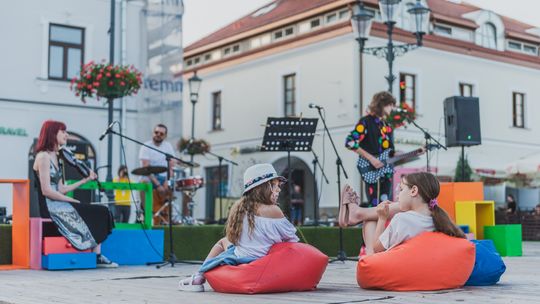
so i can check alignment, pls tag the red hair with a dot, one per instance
(47, 135)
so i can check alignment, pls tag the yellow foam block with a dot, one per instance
(476, 214)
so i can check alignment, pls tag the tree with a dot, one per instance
(466, 171)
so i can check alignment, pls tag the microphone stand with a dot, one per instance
(341, 256)
(427, 138)
(220, 158)
(172, 257)
(316, 164)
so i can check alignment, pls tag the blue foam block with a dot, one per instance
(464, 228)
(59, 261)
(134, 247)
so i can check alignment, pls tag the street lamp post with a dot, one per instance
(194, 86)
(110, 103)
(361, 23)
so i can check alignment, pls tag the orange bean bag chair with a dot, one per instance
(287, 267)
(430, 261)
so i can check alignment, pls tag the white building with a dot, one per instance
(43, 46)
(278, 59)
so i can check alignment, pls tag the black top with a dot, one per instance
(512, 207)
(372, 134)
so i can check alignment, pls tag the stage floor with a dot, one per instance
(140, 284)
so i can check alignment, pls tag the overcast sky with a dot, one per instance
(202, 17)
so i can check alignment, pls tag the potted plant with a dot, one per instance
(195, 146)
(397, 119)
(106, 80)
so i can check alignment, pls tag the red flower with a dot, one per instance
(108, 74)
(99, 76)
(122, 83)
(96, 84)
(89, 86)
(117, 75)
(88, 76)
(111, 83)
(397, 117)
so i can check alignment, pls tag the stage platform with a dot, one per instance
(141, 284)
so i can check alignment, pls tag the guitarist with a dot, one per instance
(372, 136)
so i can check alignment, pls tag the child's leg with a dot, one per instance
(359, 214)
(218, 248)
(368, 232)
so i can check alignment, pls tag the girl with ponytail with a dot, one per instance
(416, 211)
(254, 224)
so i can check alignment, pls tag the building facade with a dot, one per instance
(277, 60)
(44, 49)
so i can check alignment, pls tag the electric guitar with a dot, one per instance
(370, 174)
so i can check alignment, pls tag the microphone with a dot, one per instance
(312, 105)
(109, 128)
(400, 110)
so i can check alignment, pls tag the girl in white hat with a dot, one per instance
(255, 223)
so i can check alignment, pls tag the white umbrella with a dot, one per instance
(528, 166)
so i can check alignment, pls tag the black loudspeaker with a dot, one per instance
(462, 121)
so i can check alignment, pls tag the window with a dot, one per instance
(407, 89)
(289, 92)
(197, 60)
(466, 89)
(236, 48)
(216, 110)
(189, 62)
(289, 31)
(315, 23)
(207, 57)
(514, 45)
(66, 51)
(518, 110)
(344, 14)
(227, 51)
(278, 35)
(530, 49)
(331, 18)
(488, 35)
(442, 30)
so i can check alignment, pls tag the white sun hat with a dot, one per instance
(258, 175)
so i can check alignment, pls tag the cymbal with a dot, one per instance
(149, 170)
(185, 164)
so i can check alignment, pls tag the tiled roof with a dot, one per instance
(284, 9)
(446, 10)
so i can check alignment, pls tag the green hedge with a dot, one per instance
(194, 242)
(5, 244)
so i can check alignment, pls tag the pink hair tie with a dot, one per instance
(433, 203)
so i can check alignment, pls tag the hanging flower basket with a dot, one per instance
(197, 146)
(107, 81)
(398, 119)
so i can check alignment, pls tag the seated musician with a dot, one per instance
(149, 157)
(85, 226)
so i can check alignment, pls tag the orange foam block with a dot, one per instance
(453, 192)
(20, 234)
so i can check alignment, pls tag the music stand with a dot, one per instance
(289, 134)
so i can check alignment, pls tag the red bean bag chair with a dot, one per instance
(287, 267)
(430, 261)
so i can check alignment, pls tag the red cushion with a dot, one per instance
(430, 261)
(287, 267)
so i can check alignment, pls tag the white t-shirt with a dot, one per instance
(267, 232)
(404, 226)
(155, 158)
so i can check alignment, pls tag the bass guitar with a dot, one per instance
(371, 174)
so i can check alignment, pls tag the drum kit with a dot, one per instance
(179, 182)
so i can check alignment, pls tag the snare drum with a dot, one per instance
(190, 183)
